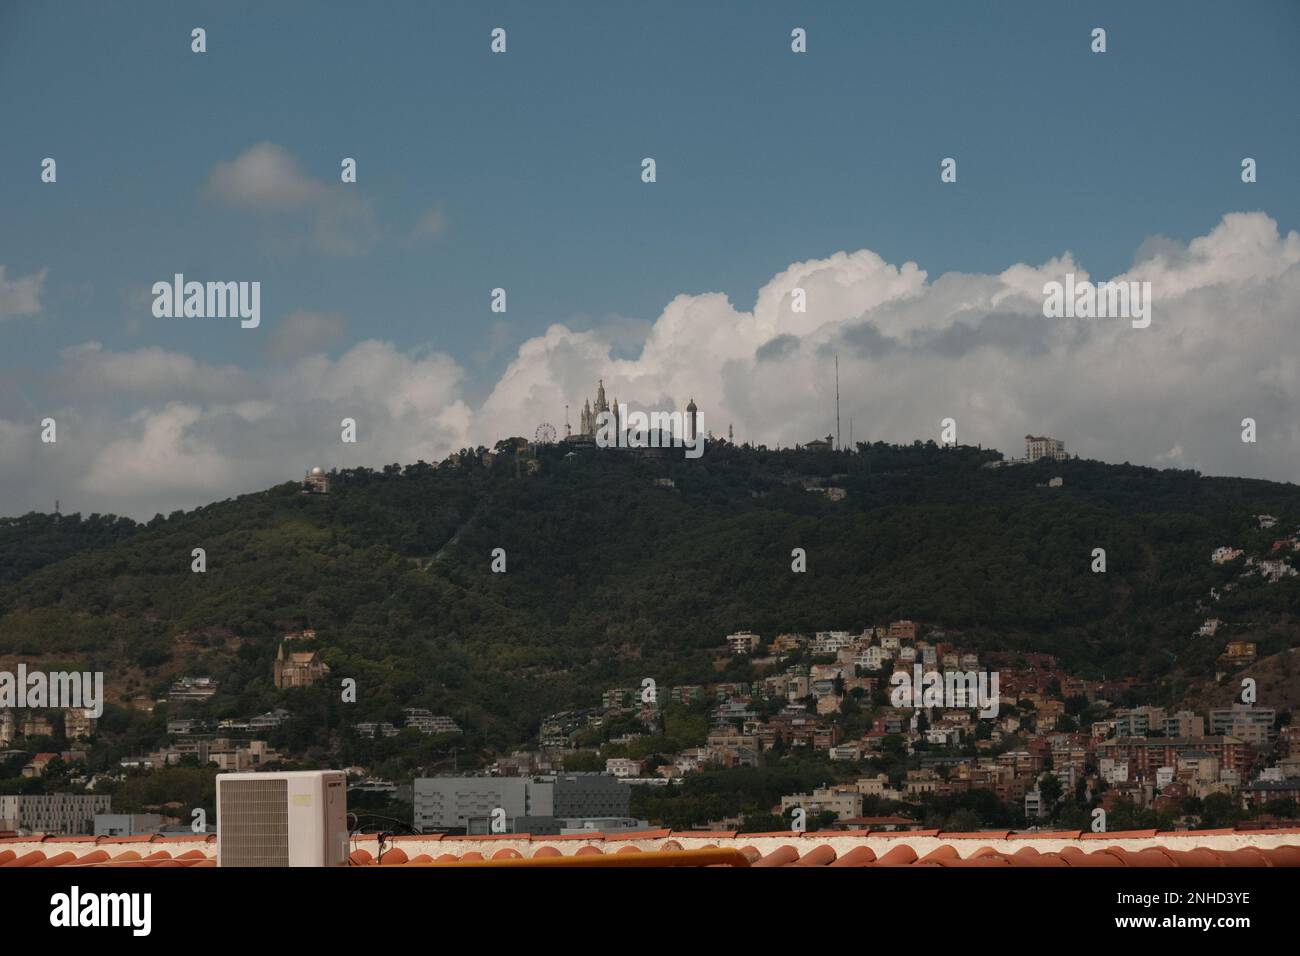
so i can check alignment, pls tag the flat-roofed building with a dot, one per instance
(67, 813)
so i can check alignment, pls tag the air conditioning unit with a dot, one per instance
(282, 819)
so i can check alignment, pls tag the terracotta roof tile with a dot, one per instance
(1198, 856)
(988, 859)
(858, 856)
(780, 857)
(1153, 856)
(1107, 857)
(1073, 856)
(1283, 855)
(1246, 856)
(751, 854)
(836, 848)
(943, 852)
(1028, 856)
(822, 855)
(901, 855)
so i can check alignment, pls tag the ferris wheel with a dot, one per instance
(545, 434)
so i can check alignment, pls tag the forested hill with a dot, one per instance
(611, 576)
(34, 540)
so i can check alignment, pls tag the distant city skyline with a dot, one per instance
(778, 175)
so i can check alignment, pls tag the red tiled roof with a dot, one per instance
(929, 848)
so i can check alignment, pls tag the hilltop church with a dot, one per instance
(589, 420)
(298, 668)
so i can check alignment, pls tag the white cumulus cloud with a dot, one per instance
(266, 179)
(151, 430)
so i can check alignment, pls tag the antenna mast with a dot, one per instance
(838, 445)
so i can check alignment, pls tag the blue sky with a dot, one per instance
(764, 157)
(529, 161)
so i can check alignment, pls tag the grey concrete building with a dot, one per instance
(578, 795)
(127, 824)
(448, 803)
(65, 813)
(466, 803)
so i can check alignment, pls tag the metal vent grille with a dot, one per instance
(254, 823)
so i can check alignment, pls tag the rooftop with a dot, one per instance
(1133, 848)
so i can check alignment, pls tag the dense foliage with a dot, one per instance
(611, 577)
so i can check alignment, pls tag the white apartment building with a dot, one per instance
(427, 722)
(743, 642)
(869, 659)
(1037, 447)
(623, 767)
